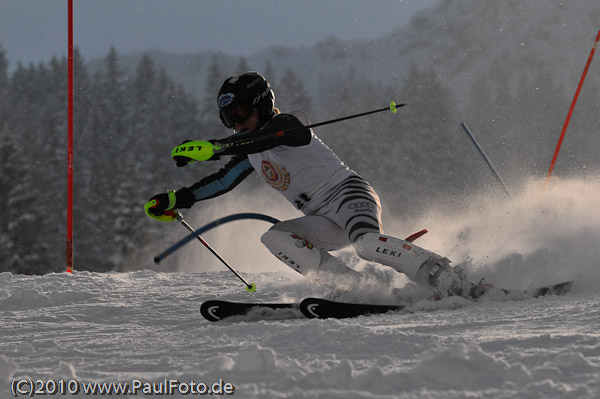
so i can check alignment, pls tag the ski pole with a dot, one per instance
(201, 150)
(392, 107)
(249, 287)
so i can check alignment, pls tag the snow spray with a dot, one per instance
(539, 237)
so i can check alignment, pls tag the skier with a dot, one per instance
(340, 208)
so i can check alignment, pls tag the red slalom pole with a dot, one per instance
(564, 129)
(70, 146)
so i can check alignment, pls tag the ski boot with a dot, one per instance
(481, 288)
(418, 264)
(451, 281)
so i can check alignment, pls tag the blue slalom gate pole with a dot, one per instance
(486, 159)
(195, 233)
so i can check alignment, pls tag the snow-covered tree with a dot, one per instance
(23, 249)
(291, 93)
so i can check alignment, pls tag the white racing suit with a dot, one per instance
(340, 209)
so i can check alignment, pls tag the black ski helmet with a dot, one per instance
(239, 94)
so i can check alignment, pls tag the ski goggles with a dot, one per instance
(236, 113)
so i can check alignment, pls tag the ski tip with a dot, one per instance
(210, 310)
(565, 288)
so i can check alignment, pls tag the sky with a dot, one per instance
(35, 30)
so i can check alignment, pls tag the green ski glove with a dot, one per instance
(161, 207)
(192, 151)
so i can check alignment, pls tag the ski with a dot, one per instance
(547, 290)
(324, 308)
(215, 310)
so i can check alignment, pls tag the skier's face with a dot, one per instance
(249, 124)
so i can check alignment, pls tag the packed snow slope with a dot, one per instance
(143, 327)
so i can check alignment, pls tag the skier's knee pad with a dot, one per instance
(293, 250)
(401, 255)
